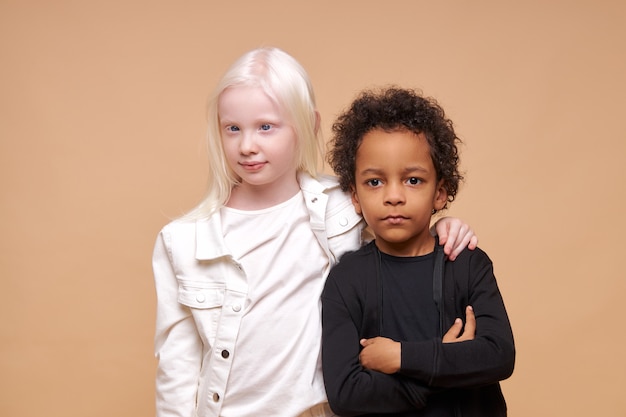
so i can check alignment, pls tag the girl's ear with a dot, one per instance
(441, 196)
(318, 121)
(355, 201)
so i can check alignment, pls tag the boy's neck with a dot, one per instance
(419, 247)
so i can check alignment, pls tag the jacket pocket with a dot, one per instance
(205, 301)
(200, 294)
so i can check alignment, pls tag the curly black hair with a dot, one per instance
(392, 109)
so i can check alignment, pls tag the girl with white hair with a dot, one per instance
(239, 278)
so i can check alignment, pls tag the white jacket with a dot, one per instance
(201, 290)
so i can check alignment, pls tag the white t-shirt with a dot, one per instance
(276, 368)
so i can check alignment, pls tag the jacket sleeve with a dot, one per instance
(351, 389)
(178, 347)
(490, 356)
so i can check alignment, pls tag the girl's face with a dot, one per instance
(259, 142)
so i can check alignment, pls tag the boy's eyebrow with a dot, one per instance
(370, 171)
(415, 168)
(378, 171)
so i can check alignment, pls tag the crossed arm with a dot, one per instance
(384, 355)
(354, 388)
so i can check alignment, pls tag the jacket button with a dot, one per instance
(343, 221)
(216, 397)
(225, 354)
(200, 297)
(236, 308)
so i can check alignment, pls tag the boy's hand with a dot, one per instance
(453, 334)
(380, 354)
(455, 236)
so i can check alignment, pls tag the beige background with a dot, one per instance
(101, 133)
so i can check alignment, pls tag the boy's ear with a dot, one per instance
(441, 196)
(355, 200)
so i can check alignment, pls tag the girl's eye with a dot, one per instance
(266, 126)
(232, 128)
(373, 182)
(414, 181)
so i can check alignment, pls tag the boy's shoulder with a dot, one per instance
(359, 257)
(469, 258)
(469, 253)
(355, 269)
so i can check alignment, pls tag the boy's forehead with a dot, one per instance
(381, 134)
(392, 148)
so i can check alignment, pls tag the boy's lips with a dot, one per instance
(395, 218)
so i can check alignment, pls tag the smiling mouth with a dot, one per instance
(252, 166)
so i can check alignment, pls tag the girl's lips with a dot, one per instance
(252, 166)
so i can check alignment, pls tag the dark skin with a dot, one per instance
(383, 354)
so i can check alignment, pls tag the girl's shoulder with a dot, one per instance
(329, 181)
(182, 223)
(187, 228)
(321, 183)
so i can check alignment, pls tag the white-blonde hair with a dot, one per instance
(286, 82)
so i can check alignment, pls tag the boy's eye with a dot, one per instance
(373, 182)
(266, 126)
(414, 181)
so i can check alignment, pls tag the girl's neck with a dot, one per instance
(257, 197)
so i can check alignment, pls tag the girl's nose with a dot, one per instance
(248, 144)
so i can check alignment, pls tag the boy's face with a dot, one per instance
(396, 190)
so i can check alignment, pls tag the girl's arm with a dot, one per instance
(178, 347)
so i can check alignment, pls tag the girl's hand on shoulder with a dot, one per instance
(455, 236)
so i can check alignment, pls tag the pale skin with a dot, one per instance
(396, 189)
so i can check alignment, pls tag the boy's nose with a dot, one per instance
(394, 194)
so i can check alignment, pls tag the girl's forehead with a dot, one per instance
(250, 87)
(245, 93)
(239, 103)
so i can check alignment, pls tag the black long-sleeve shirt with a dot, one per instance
(456, 379)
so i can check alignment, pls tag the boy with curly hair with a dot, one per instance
(386, 307)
